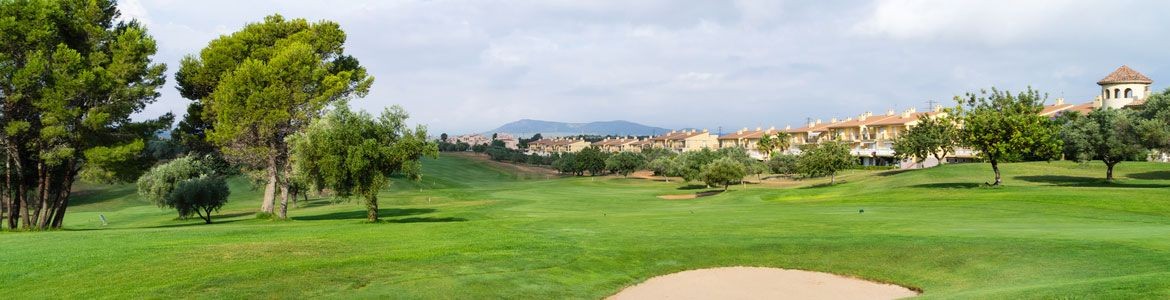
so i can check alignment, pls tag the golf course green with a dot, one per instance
(473, 229)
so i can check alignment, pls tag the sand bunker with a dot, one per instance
(760, 283)
(689, 196)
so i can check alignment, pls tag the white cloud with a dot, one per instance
(468, 66)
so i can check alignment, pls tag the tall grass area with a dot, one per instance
(473, 230)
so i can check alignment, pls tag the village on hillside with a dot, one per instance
(871, 135)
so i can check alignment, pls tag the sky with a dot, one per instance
(470, 66)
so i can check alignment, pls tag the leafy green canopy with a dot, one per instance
(825, 159)
(1006, 127)
(1105, 134)
(188, 184)
(934, 136)
(70, 78)
(354, 154)
(267, 82)
(723, 171)
(625, 162)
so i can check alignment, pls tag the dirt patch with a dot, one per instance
(760, 283)
(689, 196)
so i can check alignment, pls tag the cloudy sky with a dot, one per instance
(469, 66)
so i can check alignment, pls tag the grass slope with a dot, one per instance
(476, 230)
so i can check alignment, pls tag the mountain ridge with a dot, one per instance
(528, 127)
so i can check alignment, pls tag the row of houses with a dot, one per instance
(872, 136)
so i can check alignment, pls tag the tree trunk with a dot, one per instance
(270, 187)
(995, 167)
(372, 207)
(284, 191)
(833, 178)
(1109, 171)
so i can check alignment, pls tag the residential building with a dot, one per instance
(614, 145)
(748, 140)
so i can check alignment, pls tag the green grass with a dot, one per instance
(471, 230)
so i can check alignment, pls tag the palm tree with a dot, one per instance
(782, 141)
(765, 145)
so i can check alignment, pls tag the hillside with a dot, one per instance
(528, 127)
(488, 231)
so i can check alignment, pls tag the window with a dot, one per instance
(1129, 93)
(1106, 94)
(1116, 93)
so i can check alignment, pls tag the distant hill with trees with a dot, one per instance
(527, 127)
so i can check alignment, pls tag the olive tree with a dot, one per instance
(723, 171)
(625, 163)
(354, 154)
(825, 159)
(1005, 127)
(1104, 134)
(187, 184)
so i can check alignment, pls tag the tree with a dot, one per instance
(825, 159)
(1004, 127)
(766, 145)
(354, 154)
(665, 166)
(1106, 134)
(723, 171)
(769, 143)
(591, 159)
(625, 163)
(71, 76)
(654, 153)
(267, 82)
(783, 164)
(191, 132)
(934, 136)
(691, 163)
(188, 184)
(567, 163)
(1153, 121)
(755, 167)
(443, 137)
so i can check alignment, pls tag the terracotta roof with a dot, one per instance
(1055, 108)
(614, 142)
(1124, 74)
(814, 128)
(748, 134)
(899, 120)
(642, 142)
(871, 120)
(1083, 108)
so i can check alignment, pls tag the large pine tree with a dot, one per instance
(71, 75)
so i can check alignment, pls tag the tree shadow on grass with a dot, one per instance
(692, 187)
(894, 172)
(949, 185)
(197, 222)
(1079, 181)
(1152, 175)
(361, 214)
(426, 220)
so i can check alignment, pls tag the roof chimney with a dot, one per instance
(937, 107)
(833, 120)
(890, 112)
(787, 127)
(818, 121)
(1060, 101)
(759, 129)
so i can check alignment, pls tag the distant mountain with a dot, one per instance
(526, 128)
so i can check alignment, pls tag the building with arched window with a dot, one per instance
(1123, 87)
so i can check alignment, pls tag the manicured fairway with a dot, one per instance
(472, 230)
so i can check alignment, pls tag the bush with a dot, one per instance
(723, 171)
(783, 164)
